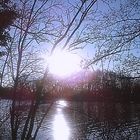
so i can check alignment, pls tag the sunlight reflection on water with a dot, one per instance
(62, 103)
(61, 130)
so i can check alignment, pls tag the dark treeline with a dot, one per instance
(110, 86)
(97, 86)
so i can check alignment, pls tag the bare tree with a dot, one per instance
(39, 21)
(32, 27)
(7, 16)
(115, 32)
(73, 27)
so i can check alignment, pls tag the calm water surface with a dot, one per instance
(68, 120)
(91, 121)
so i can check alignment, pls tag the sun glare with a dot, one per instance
(63, 63)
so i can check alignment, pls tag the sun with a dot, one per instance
(64, 63)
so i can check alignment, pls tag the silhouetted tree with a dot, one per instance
(115, 33)
(7, 17)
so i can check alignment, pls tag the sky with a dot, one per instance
(93, 31)
(89, 50)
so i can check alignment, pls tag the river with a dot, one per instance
(69, 120)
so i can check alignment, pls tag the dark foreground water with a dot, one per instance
(84, 121)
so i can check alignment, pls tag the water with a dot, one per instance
(67, 120)
(83, 120)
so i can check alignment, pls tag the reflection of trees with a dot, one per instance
(29, 122)
(105, 121)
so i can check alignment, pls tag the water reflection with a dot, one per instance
(80, 121)
(62, 103)
(61, 130)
